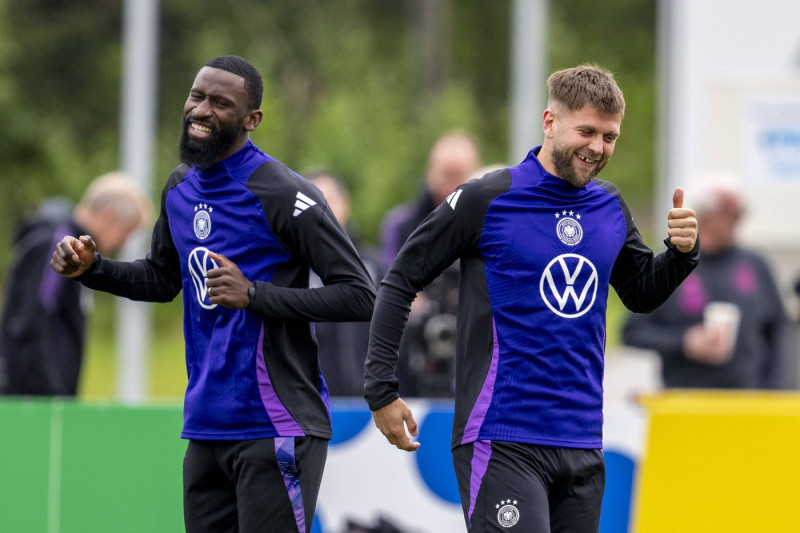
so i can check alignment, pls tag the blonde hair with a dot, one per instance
(117, 192)
(583, 85)
(449, 139)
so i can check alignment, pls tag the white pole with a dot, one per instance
(528, 64)
(668, 130)
(137, 131)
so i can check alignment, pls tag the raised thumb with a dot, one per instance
(677, 198)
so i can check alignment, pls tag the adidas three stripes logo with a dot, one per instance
(452, 199)
(302, 203)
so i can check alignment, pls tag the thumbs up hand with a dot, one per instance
(682, 223)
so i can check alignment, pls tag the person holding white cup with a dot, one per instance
(714, 342)
(725, 326)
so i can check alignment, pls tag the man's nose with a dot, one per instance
(596, 145)
(202, 109)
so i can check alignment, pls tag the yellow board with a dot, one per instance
(719, 461)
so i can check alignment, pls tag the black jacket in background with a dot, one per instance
(43, 323)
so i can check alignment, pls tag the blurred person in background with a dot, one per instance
(44, 315)
(750, 350)
(452, 159)
(343, 345)
(539, 245)
(238, 234)
(428, 345)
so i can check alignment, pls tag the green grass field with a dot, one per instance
(167, 368)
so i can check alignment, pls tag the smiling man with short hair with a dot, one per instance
(539, 245)
(239, 233)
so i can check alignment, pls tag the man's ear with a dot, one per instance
(253, 120)
(548, 122)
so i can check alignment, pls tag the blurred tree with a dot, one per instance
(59, 101)
(621, 38)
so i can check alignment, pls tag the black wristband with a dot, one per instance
(251, 293)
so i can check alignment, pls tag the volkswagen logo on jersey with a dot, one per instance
(199, 265)
(569, 285)
(202, 220)
(568, 228)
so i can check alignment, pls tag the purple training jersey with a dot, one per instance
(537, 257)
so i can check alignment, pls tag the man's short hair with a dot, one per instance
(586, 85)
(454, 138)
(716, 191)
(117, 192)
(318, 173)
(253, 83)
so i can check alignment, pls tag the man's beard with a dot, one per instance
(565, 167)
(205, 154)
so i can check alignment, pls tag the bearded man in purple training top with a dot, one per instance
(239, 233)
(539, 245)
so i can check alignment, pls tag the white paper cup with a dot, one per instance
(723, 317)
